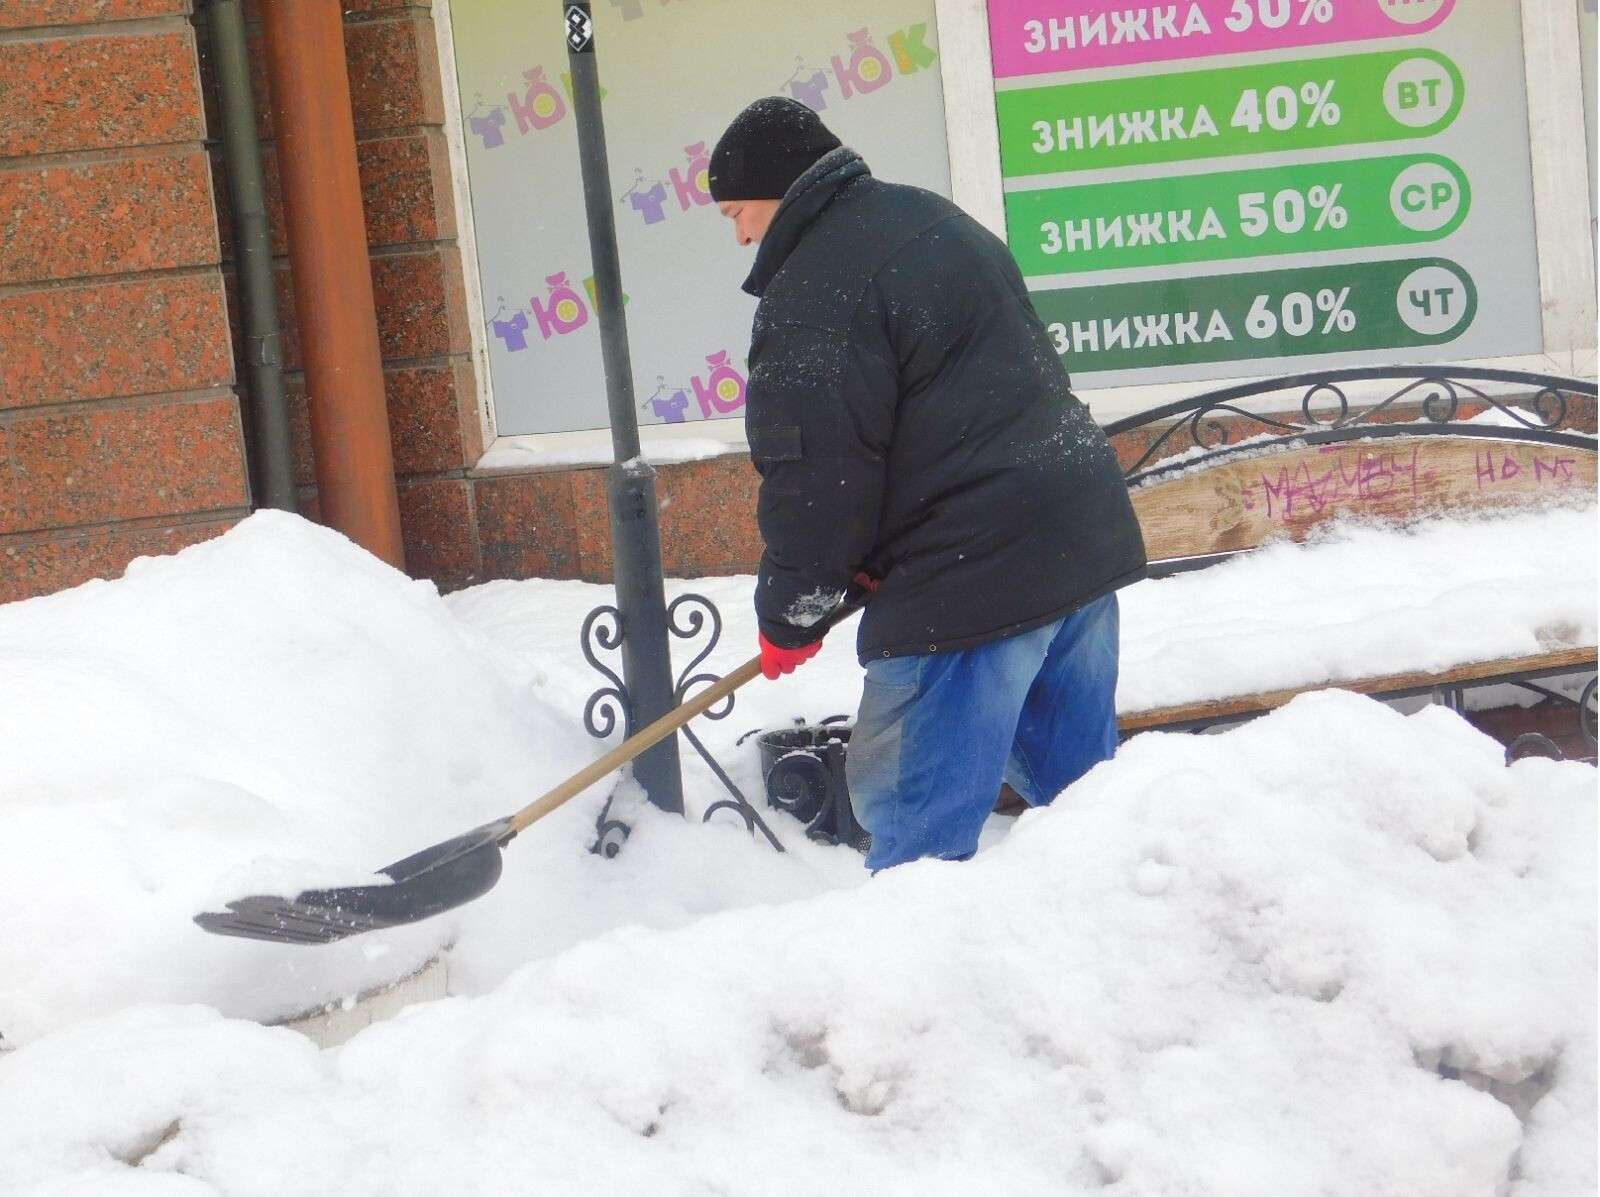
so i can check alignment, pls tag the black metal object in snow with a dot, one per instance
(804, 769)
(687, 618)
(1530, 744)
(630, 482)
(1588, 713)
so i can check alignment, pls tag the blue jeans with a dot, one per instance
(938, 732)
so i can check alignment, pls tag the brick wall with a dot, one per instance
(556, 524)
(119, 426)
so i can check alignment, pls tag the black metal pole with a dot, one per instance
(263, 355)
(630, 482)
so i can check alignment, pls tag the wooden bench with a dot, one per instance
(1226, 472)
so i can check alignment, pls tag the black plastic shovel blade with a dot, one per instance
(425, 884)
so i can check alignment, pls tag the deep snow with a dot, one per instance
(1226, 964)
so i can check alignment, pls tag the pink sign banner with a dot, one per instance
(1036, 37)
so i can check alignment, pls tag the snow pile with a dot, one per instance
(1221, 965)
(270, 710)
(276, 709)
(1356, 600)
(1363, 600)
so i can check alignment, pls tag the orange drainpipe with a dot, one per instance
(332, 275)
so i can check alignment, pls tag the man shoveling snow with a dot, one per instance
(916, 435)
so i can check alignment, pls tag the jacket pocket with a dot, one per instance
(775, 442)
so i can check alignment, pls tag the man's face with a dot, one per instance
(751, 218)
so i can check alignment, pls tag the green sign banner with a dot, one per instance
(1303, 104)
(1349, 204)
(1230, 187)
(1277, 313)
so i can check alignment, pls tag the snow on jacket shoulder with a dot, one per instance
(909, 417)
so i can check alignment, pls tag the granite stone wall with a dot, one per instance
(119, 424)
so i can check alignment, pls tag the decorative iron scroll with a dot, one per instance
(1326, 412)
(610, 701)
(695, 611)
(612, 705)
(688, 616)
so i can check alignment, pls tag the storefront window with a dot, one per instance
(675, 72)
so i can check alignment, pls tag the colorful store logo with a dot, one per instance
(691, 186)
(863, 68)
(1030, 37)
(488, 124)
(723, 388)
(668, 403)
(539, 106)
(511, 327)
(720, 392)
(561, 312)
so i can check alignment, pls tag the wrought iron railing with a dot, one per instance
(1327, 414)
(688, 616)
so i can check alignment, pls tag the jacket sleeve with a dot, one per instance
(819, 415)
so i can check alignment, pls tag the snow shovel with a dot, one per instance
(454, 872)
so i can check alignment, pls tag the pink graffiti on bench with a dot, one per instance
(1353, 477)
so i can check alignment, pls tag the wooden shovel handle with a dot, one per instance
(635, 744)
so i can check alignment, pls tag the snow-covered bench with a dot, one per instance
(1214, 480)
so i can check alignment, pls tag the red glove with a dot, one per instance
(867, 582)
(775, 660)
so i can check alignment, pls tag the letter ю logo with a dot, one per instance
(723, 389)
(868, 68)
(563, 310)
(540, 106)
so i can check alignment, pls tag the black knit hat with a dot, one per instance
(767, 147)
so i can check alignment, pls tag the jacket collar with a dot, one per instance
(802, 204)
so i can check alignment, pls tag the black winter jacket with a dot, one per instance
(909, 418)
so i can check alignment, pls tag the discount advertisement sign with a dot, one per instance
(1224, 187)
